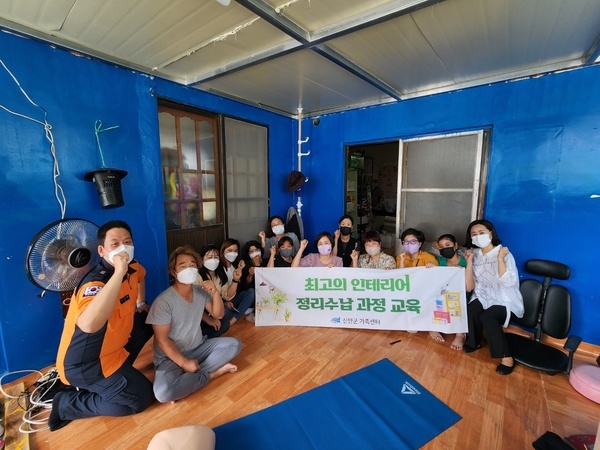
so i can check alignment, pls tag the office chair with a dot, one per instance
(547, 312)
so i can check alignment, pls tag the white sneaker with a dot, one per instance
(250, 317)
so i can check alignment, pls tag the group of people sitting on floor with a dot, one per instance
(108, 321)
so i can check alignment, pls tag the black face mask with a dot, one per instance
(346, 231)
(447, 252)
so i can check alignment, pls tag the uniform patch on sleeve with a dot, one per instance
(91, 290)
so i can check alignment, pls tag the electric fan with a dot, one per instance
(61, 254)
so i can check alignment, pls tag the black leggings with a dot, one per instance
(491, 320)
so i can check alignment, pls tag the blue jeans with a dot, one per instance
(242, 301)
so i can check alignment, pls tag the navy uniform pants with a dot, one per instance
(125, 392)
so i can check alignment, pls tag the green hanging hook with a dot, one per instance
(98, 129)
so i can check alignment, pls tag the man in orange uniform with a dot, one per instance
(99, 342)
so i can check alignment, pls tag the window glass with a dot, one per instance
(247, 174)
(189, 159)
(188, 143)
(207, 155)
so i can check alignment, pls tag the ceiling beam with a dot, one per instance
(593, 53)
(279, 21)
(316, 41)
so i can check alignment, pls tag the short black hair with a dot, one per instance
(371, 236)
(109, 226)
(323, 234)
(449, 237)
(285, 239)
(416, 233)
(346, 216)
(249, 244)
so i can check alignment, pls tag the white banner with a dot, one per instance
(417, 299)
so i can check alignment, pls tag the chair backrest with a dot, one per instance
(548, 269)
(556, 317)
(532, 292)
(547, 306)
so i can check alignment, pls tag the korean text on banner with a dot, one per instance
(417, 299)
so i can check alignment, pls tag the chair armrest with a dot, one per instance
(572, 343)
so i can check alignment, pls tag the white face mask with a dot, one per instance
(373, 250)
(119, 249)
(188, 275)
(231, 256)
(481, 240)
(278, 229)
(211, 264)
(254, 254)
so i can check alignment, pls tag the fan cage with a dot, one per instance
(62, 253)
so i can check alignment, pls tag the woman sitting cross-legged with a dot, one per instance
(236, 304)
(374, 259)
(184, 359)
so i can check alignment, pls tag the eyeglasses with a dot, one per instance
(412, 241)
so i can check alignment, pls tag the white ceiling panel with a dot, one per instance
(321, 55)
(397, 53)
(244, 42)
(477, 40)
(291, 82)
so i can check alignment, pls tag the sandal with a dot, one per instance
(504, 370)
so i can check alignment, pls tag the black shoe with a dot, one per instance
(468, 349)
(54, 421)
(504, 370)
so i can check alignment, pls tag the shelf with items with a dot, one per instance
(352, 195)
(359, 181)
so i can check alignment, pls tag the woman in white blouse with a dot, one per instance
(492, 273)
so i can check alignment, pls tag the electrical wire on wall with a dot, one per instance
(36, 400)
(58, 190)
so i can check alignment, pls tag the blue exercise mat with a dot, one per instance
(376, 407)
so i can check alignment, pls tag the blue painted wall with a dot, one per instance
(544, 165)
(76, 91)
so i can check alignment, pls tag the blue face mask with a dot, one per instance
(286, 252)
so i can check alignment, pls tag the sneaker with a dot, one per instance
(250, 317)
